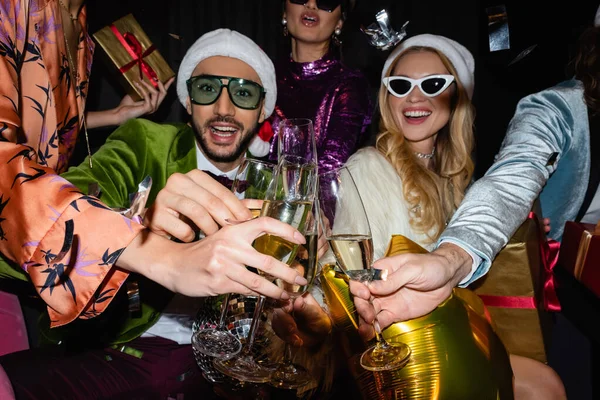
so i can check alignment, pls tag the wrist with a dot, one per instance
(152, 256)
(458, 261)
(114, 116)
(99, 119)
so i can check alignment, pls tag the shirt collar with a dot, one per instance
(204, 164)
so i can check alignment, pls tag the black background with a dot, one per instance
(498, 86)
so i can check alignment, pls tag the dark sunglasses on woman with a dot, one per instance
(325, 5)
(205, 90)
(430, 86)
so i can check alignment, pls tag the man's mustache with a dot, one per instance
(227, 120)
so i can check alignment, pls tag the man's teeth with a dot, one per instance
(417, 114)
(223, 130)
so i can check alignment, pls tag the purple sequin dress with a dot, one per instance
(335, 97)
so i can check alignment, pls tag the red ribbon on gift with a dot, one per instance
(549, 255)
(136, 51)
(508, 301)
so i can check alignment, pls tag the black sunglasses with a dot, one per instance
(205, 90)
(325, 5)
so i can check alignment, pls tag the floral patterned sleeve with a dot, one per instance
(66, 241)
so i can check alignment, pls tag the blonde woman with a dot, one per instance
(415, 177)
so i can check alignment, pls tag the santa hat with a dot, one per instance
(228, 43)
(262, 141)
(461, 58)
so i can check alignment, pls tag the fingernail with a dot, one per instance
(300, 280)
(285, 296)
(379, 274)
(376, 326)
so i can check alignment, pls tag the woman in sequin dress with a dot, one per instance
(312, 82)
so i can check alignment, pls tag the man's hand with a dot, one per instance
(309, 325)
(416, 284)
(191, 199)
(216, 264)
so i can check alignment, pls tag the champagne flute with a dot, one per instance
(296, 138)
(251, 182)
(349, 235)
(289, 375)
(289, 198)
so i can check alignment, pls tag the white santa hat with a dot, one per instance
(228, 43)
(459, 56)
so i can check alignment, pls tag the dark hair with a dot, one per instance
(585, 66)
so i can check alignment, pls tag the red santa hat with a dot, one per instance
(259, 147)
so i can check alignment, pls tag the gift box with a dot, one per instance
(580, 253)
(513, 294)
(135, 57)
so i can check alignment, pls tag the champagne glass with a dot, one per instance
(289, 198)
(289, 375)
(349, 235)
(251, 182)
(296, 137)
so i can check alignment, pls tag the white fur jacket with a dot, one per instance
(380, 189)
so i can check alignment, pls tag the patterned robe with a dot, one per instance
(67, 242)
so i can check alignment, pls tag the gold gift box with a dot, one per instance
(455, 352)
(512, 292)
(128, 47)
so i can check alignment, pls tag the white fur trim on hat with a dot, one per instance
(258, 147)
(228, 43)
(459, 56)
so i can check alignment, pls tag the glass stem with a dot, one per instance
(224, 307)
(260, 303)
(381, 342)
(287, 350)
(287, 354)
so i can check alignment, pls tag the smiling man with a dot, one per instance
(227, 85)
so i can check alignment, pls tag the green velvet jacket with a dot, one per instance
(133, 151)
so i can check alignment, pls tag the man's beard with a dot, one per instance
(247, 136)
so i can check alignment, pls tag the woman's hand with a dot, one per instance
(128, 108)
(152, 99)
(216, 264)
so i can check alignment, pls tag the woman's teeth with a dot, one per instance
(417, 114)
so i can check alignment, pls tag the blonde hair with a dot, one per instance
(432, 194)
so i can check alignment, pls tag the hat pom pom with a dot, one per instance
(261, 143)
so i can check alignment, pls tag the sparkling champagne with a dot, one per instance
(292, 213)
(305, 263)
(354, 254)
